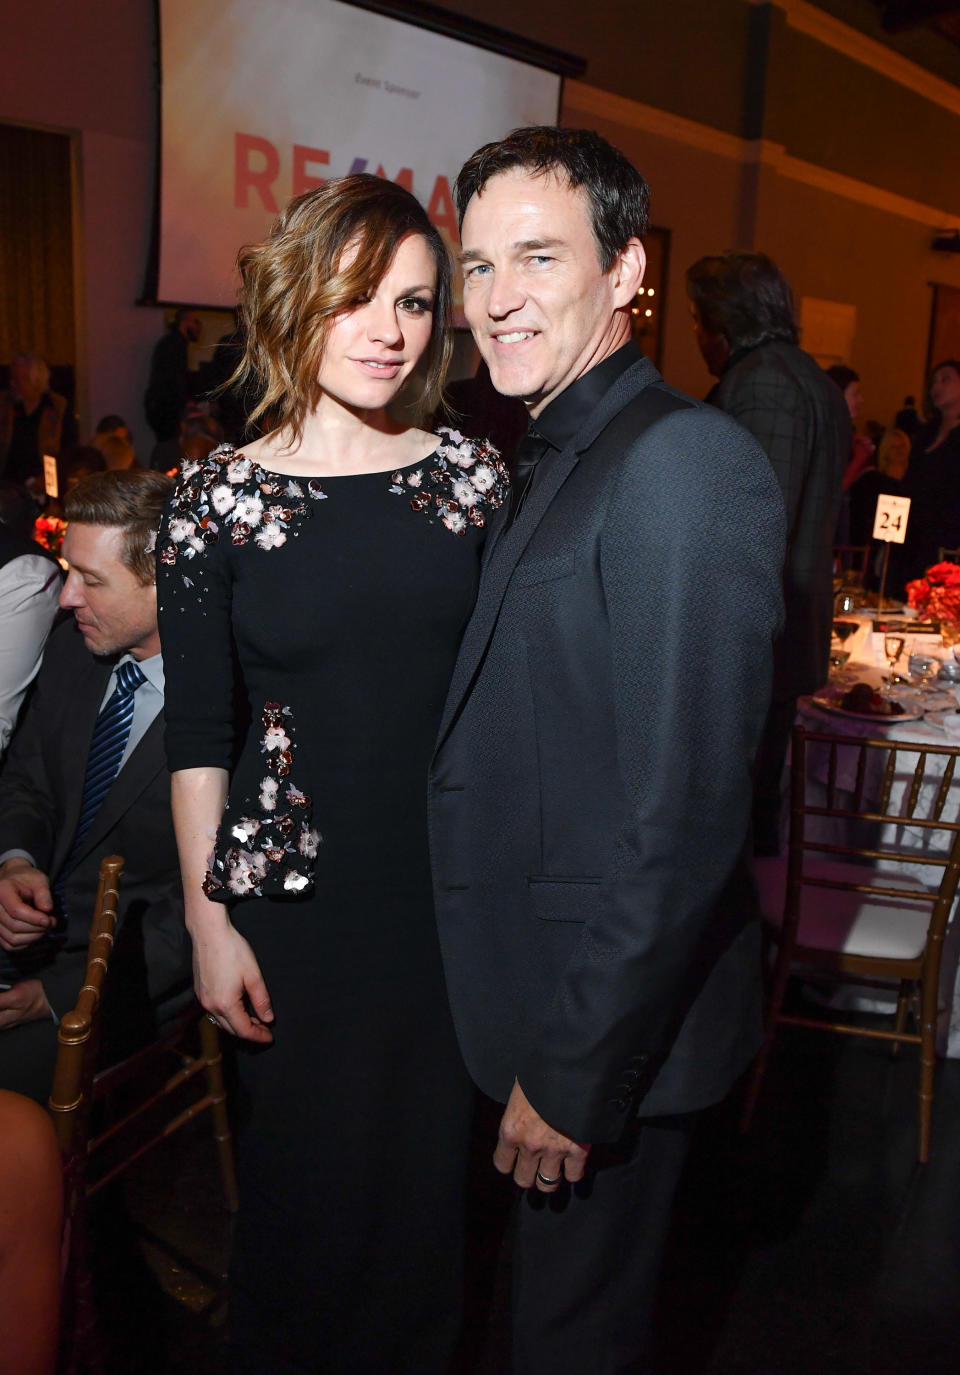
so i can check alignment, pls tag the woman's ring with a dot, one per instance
(210, 1018)
(549, 1182)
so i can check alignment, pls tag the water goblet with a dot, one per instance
(844, 629)
(892, 648)
(925, 667)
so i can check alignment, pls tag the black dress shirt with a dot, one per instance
(558, 422)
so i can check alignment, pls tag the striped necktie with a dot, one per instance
(106, 747)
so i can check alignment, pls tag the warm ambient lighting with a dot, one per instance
(648, 312)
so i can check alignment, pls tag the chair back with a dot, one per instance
(77, 1038)
(850, 563)
(921, 810)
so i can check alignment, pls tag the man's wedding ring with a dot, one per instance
(549, 1182)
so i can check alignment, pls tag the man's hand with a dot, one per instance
(532, 1151)
(24, 1002)
(26, 906)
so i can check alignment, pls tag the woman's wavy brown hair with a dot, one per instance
(292, 286)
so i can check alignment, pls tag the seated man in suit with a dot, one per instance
(86, 777)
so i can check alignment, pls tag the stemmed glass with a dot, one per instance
(842, 631)
(925, 667)
(892, 648)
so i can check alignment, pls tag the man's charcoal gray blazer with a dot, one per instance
(590, 793)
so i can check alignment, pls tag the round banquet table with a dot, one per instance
(940, 725)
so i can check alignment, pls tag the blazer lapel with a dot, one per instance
(507, 547)
(146, 761)
(504, 547)
(80, 719)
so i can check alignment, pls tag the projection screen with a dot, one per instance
(262, 101)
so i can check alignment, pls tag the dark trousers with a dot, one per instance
(768, 776)
(27, 1056)
(587, 1259)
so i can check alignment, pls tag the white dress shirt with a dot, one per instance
(29, 591)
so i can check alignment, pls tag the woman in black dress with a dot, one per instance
(932, 483)
(337, 560)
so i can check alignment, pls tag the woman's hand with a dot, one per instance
(228, 981)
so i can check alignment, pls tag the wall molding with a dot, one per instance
(631, 114)
(591, 100)
(834, 33)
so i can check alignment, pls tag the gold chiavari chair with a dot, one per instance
(98, 1138)
(846, 906)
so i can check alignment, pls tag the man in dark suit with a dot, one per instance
(86, 777)
(745, 325)
(590, 793)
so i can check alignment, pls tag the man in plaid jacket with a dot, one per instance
(747, 332)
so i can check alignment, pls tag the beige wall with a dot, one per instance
(835, 249)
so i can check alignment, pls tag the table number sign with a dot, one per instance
(890, 521)
(890, 525)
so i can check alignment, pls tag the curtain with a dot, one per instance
(36, 246)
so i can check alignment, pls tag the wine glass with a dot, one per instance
(892, 648)
(925, 667)
(844, 604)
(844, 629)
(838, 657)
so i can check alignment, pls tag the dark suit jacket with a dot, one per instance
(799, 418)
(41, 784)
(590, 793)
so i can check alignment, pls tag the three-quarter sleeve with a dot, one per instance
(194, 594)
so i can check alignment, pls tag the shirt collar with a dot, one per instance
(152, 669)
(559, 422)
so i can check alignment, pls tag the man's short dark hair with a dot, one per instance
(134, 501)
(619, 197)
(108, 423)
(744, 297)
(842, 375)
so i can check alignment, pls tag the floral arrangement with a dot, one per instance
(937, 593)
(48, 531)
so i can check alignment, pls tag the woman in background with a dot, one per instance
(893, 460)
(933, 481)
(338, 557)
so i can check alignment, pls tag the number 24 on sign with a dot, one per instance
(890, 522)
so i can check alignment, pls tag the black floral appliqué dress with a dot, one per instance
(343, 600)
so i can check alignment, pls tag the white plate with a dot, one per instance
(833, 704)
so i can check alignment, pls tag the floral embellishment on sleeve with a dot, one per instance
(227, 494)
(459, 484)
(271, 853)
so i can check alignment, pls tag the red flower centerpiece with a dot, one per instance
(937, 593)
(48, 531)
